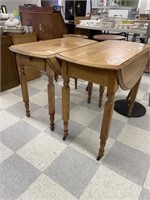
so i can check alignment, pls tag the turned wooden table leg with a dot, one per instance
(101, 92)
(87, 86)
(65, 99)
(23, 82)
(51, 95)
(107, 117)
(89, 89)
(132, 96)
(76, 82)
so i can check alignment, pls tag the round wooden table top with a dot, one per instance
(104, 37)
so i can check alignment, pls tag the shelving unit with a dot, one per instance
(111, 3)
(99, 9)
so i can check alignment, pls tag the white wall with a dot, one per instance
(148, 7)
(143, 5)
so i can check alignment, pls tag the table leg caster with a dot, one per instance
(100, 104)
(100, 155)
(52, 127)
(28, 114)
(64, 137)
(89, 100)
(98, 158)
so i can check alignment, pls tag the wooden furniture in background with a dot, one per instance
(101, 64)
(9, 71)
(75, 35)
(31, 73)
(9, 76)
(24, 38)
(46, 22)
(104, 37)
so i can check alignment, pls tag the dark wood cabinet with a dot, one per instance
(46, 22)
(9, 77)
(9, 74)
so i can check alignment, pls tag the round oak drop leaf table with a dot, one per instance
(41, 55)
(101, 64)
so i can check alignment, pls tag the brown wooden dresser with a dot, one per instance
(9, 77)
(46, 22)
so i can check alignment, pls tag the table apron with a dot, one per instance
(94, 75)
(35, 62)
